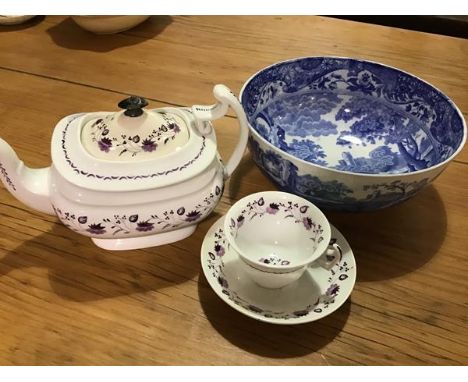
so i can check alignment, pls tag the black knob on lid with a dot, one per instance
(133, 106)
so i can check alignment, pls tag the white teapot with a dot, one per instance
(131, 179)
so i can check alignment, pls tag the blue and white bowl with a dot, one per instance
(349, 134)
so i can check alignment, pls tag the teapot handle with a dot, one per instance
(204, 114)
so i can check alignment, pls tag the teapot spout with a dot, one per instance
(30, 186)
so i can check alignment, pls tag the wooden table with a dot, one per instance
(64, 301)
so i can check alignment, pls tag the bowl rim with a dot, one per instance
(319, 251)
(376, 175)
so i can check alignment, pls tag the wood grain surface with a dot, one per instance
(64, 301)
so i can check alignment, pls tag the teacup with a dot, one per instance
(277, 236)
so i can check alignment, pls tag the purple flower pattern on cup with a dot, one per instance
(308, 223)
(273, 260)
(223, 282)
(219, 250)
(272, 209)
(333, 290)
(259, 208)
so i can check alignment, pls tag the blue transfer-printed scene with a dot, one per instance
(331, 194)
(352, 116)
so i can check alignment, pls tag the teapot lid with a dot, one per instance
(131, 150)
(134, 134)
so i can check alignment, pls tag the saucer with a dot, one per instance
(315, 295)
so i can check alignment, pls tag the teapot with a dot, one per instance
(134, 178)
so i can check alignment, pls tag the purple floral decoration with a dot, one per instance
(105, 144)
(162, 135)
(96, 229)
(149, 145)
(273, 260)
(144, 226)
(106, 177)
(261, 207)
(223, 282)
(219, 249)
(272, 209)
(192, 216)
(333, 290)
(308, 223)
(175, 127)
(125, 224)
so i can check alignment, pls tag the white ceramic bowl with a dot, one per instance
(108, 24)
(14, 20)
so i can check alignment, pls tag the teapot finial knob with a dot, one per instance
(133, 106)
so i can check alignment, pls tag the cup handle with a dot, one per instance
(204, 114)
(331, 256)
